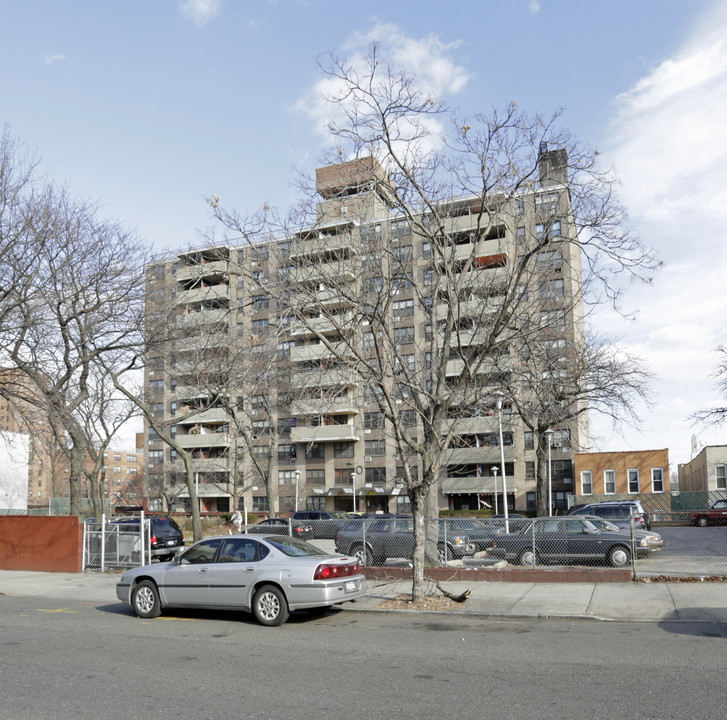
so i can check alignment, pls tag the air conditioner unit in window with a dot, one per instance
(558, 443)
(368, 458)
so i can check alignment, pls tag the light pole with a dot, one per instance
(494, 470)
(353, 485)
(502, 463)
(297, 480)
(549, 433)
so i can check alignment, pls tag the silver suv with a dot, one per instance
(618, 512)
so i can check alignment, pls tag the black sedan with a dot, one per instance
(282, 526)
(568, 539)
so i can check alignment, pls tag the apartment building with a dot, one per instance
(288, 319)
(706, 472)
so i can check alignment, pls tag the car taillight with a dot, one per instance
(330, 572)
(153, 540)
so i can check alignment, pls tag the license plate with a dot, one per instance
(171, 542)
(350, 586)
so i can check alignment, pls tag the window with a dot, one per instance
(259, 326)
(426, 249)
(401, 255)
(551, 288)
(284, 348)
(721, 476)
(315, 477)
(529, 440)
(156, 386)
(260, 452)
(403, 335)
(586, 482)
(405, 362)
(261, 427)
(657, 480)
(316, 451)
(553, 319)
(529, 470)
(375, 448)
(156, 457)
(408, 418)
(342, 476)
(520, 236)
(286, 477)
(260, 504)
(399, 228)
(609, 481)
(260, 302)
(286, 453)
(376, 475)
(373, 421)
(634, 485)
(403, 308)
(550, 259)
(315, 502)
(343, 450)
(131, 458)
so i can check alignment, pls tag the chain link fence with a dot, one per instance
(111, 545)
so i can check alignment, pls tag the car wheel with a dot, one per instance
(363, 555)
(269, 606)
(702, 521)
(528, 557)
(145, 600)
(619, 556)
(445, 553)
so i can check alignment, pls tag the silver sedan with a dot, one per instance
(268, 576)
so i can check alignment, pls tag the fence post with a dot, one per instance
(103, 542)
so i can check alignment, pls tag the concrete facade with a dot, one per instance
(331, 448)
(706, 472)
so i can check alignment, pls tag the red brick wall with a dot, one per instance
(43, 543)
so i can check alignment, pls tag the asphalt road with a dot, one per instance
(65, 659)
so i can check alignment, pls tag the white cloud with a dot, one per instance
(428, 60)
(534, 7)
(200, 12)
(667, 144)
(53, 59)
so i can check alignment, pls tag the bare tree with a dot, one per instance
(71, 293)
(716, 416)
(461, 205)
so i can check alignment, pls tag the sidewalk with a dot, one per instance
(636, 602)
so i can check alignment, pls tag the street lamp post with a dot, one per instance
(353, 486)
(297, 480)
(549, 433)
(494, 470)
(502, 463)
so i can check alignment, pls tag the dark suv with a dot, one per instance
(166, 536)
(618, 512)
(326, 523)
(375, 539)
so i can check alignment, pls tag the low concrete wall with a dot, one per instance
(508, 574)
(43, 543)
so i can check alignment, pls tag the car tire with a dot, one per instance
(363, 555)
(528, 558)
(701, 521)
(445, 553)
(269, 606)
(619, 556)
(145, 600)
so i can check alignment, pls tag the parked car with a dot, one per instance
(477, 531)
(166, 536)
(656, 542)
(515, 522)
(715, 515)
(268, 576)
(374, 540)
(565, 540)
(326, 523)
(281, 526)
(617, 511)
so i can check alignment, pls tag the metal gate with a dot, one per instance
(116, 544)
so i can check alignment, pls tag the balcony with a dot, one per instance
(321, 326)
(204, 465)
(319, 246)
(308, 353)
(324, 433)
(324, 406)
(198, 271)
(215, 415)
(329, 274)
(204, 440)
(323, 378)
(475, 425)
(204, 317)
(202, 294)
(483, 455)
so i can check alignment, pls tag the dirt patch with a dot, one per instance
(431, 603)
(672, 579)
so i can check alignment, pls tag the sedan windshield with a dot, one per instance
(294, 547)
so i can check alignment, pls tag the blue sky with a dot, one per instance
(149, 107)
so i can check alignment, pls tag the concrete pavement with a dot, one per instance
(637, 602)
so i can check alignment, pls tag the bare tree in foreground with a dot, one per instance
(459, 205)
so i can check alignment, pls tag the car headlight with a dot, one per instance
(644, 542)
